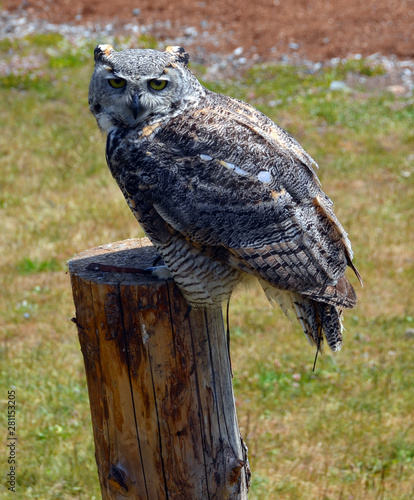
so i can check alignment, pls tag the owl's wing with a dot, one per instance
(226, 176)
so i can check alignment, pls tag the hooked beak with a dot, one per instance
(135, 106)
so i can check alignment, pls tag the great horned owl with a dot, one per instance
(224, 193)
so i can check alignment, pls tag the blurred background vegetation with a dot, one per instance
(345, 431)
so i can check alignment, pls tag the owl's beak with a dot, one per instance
(135, 106)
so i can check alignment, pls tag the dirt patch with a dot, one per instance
(312, 29)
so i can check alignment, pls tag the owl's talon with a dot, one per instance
(160, 272)
(157, 260)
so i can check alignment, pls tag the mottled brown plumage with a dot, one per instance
(223, 192)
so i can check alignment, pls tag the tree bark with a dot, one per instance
(159, 382)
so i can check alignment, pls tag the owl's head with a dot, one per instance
(130, 86)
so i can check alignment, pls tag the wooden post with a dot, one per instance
(159, 381)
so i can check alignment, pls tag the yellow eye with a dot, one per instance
(117, 83)
(157, 84)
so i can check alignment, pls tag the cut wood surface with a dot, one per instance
(159, 381)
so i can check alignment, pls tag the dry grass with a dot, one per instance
(345, 431)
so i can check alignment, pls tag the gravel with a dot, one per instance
(399, 77)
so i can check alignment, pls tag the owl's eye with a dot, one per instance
(116, 83)
(157, 84)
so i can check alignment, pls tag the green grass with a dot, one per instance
(344, 431)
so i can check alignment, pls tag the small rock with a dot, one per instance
(294, 46)
(136, 12)
(338, 85)
(19, 22)
(397, 89)
(190, 31)
(409, 333)
(238, 51)
(275, 102)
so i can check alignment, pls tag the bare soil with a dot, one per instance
(313, 29)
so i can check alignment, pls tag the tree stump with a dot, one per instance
(159, 382)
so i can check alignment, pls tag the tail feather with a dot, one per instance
(318, 320)
(307, 316)
(331, 323)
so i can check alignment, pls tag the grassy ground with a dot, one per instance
(345, 431)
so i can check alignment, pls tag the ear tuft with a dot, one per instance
(179, 54)
(102, 51)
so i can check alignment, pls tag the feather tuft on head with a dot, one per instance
(102, 50)
(179, 53)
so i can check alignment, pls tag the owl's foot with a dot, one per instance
(160, 272)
